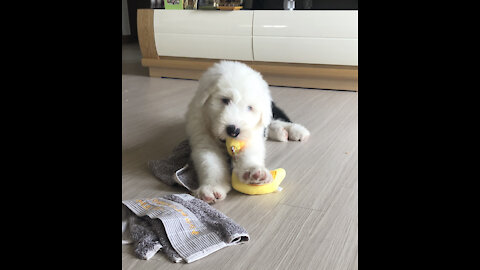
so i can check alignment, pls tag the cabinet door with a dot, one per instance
(204, 34)
(311, 37)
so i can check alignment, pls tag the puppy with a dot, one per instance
(233, 100)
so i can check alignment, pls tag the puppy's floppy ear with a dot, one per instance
(207, 86)
(204, 93)
(266, 112)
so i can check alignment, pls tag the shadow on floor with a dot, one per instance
(159, 145)
(131, 59)
(134, 68)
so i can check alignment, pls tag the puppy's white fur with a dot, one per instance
(231, 93)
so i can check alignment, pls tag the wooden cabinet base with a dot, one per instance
(278, 74)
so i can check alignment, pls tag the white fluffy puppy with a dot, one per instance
(232, 100)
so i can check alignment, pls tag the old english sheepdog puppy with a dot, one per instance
(233, 100)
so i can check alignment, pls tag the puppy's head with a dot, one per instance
(235, 101)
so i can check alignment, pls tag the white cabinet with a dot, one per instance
(204, 34)
(310, 37)
(306, 23)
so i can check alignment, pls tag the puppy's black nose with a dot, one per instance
(233, 131)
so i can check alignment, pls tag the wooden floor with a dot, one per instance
(311, 224)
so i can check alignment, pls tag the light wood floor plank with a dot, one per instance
(329, 240)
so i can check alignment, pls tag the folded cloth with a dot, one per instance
(177, 168)
(181, 226)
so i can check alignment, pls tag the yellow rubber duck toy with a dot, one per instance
(235, 146)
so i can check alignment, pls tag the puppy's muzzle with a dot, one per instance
(232, 131)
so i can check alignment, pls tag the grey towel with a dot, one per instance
(181, 226)
(177, 168)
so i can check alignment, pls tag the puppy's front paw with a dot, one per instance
(211, 193)
(256, 175)
(298, 132)
(278, 133)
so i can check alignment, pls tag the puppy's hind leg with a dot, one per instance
(297, 132)
(282, 131)
(277, 131)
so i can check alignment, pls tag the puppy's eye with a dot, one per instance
(250, 108)
(226, 101)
